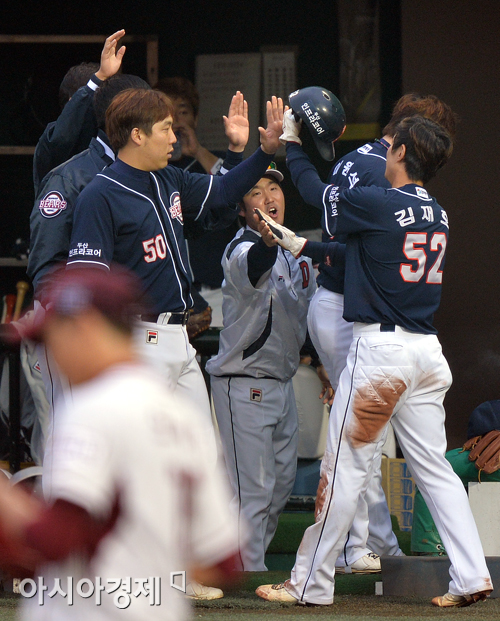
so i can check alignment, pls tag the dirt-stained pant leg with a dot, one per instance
(374, 381)
(331, 335)
(407, 373)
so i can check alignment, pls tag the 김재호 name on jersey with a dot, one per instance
(83, 249)
(406, 217)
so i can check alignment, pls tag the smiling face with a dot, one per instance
(156, 148)
(268, 196)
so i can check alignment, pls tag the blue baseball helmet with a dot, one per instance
(323, 115)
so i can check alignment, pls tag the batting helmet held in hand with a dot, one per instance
(323, 115)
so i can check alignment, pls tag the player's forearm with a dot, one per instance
(60, 530)
(72, 132)
(70, 122)
(331, 253)
(305, 176)
(260, 259)
(222, 217)
(238, 181)
(17, 510)
(231, 160)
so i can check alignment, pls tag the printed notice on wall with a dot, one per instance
(278, 73)
(218, 77)
(278, 69)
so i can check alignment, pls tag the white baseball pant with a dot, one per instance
(331, 335)
(167, 350)
(403, 375)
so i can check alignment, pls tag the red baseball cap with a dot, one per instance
(117, 294)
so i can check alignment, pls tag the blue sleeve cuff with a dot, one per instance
(231, 160)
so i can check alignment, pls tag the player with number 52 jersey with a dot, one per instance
(396, 227)
(395, 368)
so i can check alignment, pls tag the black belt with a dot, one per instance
(179, 318)
(267, 377)
(387, 327)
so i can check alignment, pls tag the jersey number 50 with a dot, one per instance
(414, 248)
(155, 248)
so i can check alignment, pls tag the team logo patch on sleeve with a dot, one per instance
(52, 204)
(152, 337)
(175, 207)
(256, 394)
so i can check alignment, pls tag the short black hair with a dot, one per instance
(428, 146)
(109, 89)
(75, 78)
(179, 87)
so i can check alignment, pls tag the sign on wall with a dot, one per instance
(257, 76)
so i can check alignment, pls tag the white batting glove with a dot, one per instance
(285, 237)
(291, 128)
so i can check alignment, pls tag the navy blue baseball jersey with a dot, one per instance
(135, 218)
(69, 135)
(364, 166)
(395, 251)
(52, 215)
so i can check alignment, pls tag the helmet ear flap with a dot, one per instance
(323, 114)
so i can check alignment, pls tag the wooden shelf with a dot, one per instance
(13, 262)
(151, 42)
(11, 150)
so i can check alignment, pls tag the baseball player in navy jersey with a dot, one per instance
(133, 214)
(396, 371)
(266, 293)
(371, 533)
(51, 222)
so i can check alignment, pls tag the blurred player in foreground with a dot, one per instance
(266, 293)
(134, 498)
(395, 368)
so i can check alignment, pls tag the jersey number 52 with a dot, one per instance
(416, 249)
